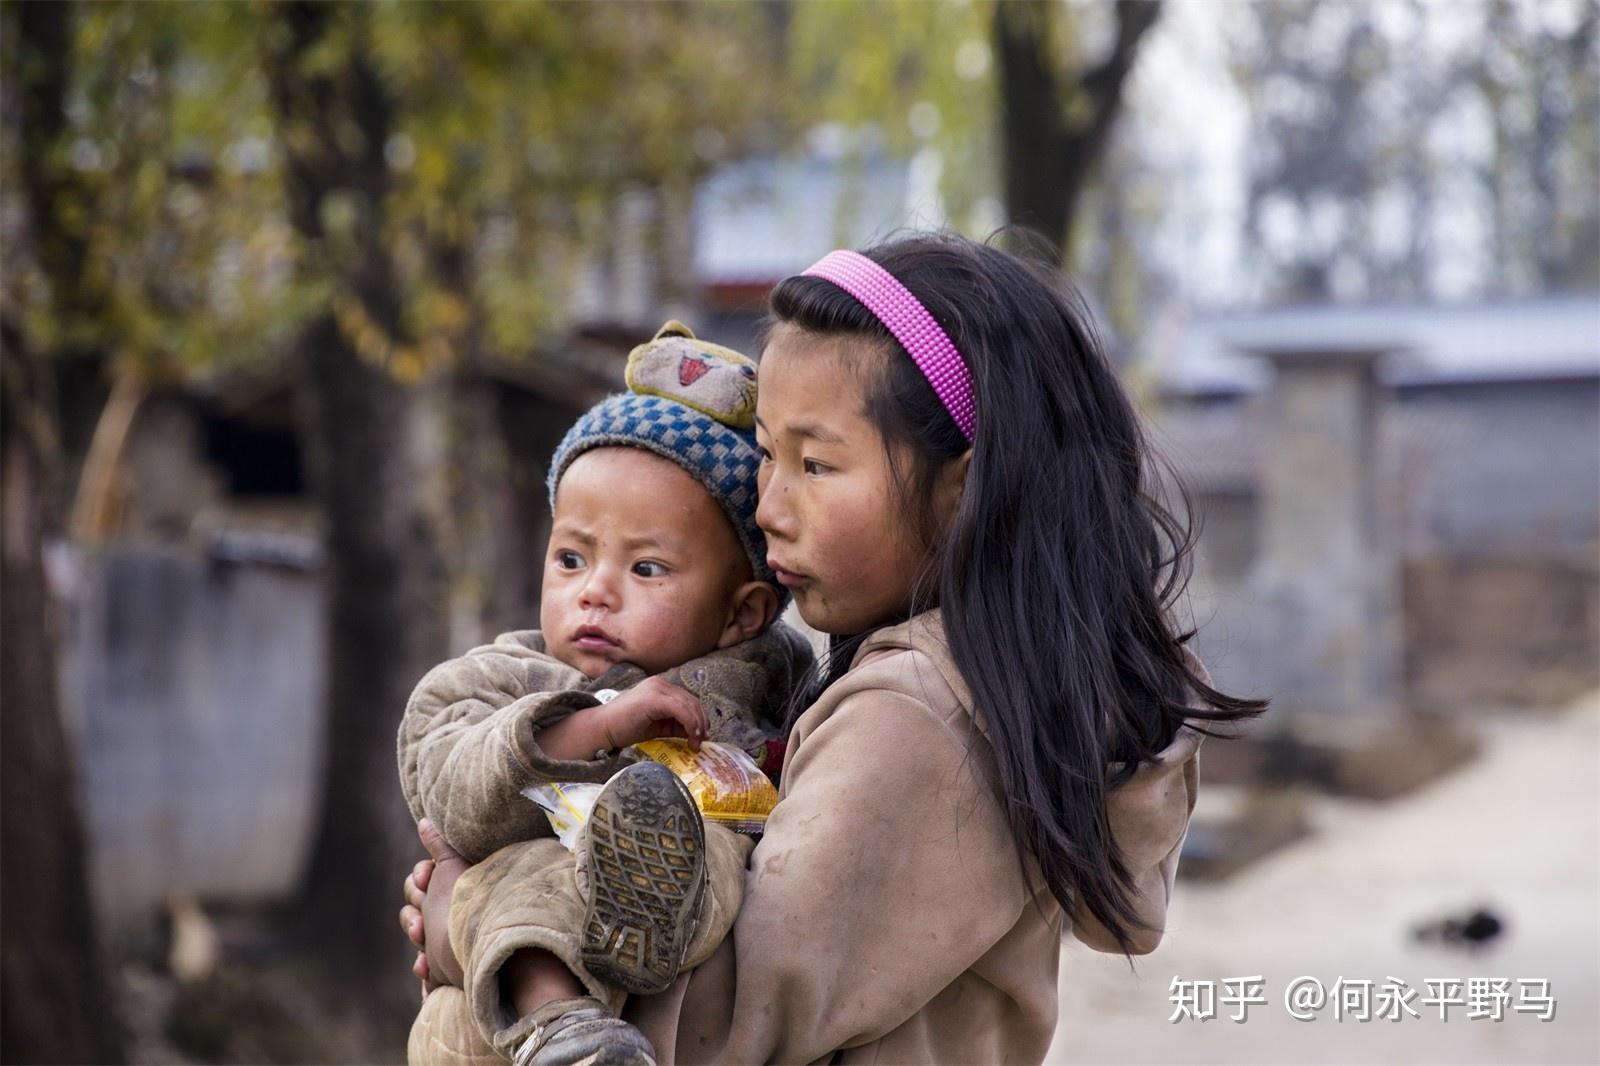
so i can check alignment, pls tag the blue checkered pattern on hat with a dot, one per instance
(720, 457)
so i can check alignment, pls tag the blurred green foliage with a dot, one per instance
(514, 128)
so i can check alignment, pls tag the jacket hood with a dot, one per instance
(1149, 814)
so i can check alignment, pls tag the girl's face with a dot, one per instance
(835, 532)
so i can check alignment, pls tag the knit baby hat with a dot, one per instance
(694, 403)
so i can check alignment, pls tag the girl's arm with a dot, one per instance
(886, 871)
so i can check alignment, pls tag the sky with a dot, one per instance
(1195, 122)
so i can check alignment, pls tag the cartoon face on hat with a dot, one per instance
(713, 380)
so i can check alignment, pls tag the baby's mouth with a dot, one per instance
(593, 638)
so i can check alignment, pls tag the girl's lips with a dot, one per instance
(786, 578)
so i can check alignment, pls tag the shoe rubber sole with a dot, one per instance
(647, 875)
(586, 1037)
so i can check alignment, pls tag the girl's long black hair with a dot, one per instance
(1059, 569)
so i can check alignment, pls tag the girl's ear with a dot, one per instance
(949, 485)
(751, 609)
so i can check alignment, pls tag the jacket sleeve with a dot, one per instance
(467, 748)
(745, 689)
(886, 871)
(1149, 815)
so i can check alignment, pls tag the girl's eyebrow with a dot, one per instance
(808, 429)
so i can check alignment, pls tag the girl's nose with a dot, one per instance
(775, 510)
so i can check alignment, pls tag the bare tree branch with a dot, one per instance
(1048, 157)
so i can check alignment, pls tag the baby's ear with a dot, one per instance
(751, 610)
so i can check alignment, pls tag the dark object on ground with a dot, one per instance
(1472, 931)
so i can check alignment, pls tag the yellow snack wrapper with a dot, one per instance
(727, 785)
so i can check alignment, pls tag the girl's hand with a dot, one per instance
(426, 915)
(653, 708)
(416, 884)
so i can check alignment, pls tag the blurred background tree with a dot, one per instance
(53, 976)
(1372, 125)
(1019, 99)
(1057, 111)
(385, 573)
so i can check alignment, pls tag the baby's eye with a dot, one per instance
(568, 560)
(649, 568)
(814, 468)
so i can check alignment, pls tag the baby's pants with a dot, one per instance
(527, 895)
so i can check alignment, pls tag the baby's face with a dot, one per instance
(643, 566)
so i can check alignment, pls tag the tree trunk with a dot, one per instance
(58, 1004)
(384, 578)
(495, 563)
(386, 602)
(1047, 155)
(1032, 124)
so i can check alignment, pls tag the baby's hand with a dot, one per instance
(653, 708)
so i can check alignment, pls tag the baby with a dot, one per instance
(657, 618)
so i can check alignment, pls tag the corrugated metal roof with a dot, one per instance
(1549, 337)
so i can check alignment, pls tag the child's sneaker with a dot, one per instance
(579, 1032)
(642, 858)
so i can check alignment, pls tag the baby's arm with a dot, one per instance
(467, 744)
(653, 708)
(466, 748)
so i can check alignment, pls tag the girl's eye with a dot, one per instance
(764, 455)
(567, 560)
(814, 468)
(649, 568)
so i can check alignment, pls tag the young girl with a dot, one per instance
(1004, 744)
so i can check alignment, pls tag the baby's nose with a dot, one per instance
(598, 592)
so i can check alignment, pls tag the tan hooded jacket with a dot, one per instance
(887, 917)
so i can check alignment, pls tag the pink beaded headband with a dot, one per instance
(904, 316)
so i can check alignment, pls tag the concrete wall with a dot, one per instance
(1515, 469)
(1494, 495)
(193, 688)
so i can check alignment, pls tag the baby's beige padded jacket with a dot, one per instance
(886, 916)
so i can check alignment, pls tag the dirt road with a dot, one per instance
(1519, 830)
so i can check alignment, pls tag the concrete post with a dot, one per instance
(1328, 580)
(1329, 568)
